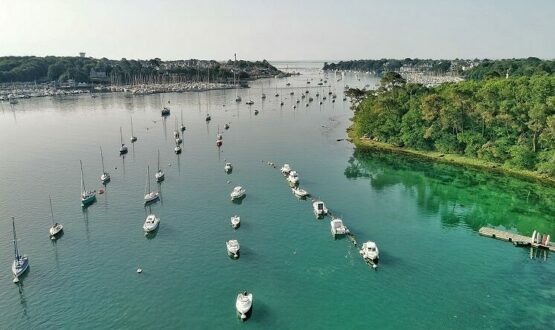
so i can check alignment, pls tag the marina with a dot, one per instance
(374, 199)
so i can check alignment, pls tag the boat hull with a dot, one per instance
(20, 267)
(88, 200)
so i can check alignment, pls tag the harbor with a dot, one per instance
(176, 265)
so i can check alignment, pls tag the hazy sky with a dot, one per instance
(279, 30)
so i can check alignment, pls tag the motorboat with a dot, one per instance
(56, 227)
(20, 263)
(177, 149)
(256, 111)
(243, 305)
(238, 99)
(320, 209)
(233, 248)
(208, 118)
(237, 193)
(370, 253)
(159, 175)
(235, 221)
(165, 111)
(263, 96)
(285, 169)
(105, 177)
(249, 102)
(151, 223)
(228, 168)
(150, 196)
(299, 192)
(338, 228)
(293, 178)
(178, 140)
(87, 196)
(226, 126)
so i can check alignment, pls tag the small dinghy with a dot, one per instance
(233, 248)
(235, 221)
(370, 253)
(338, 228)
(151, 223)
(165, 112)
(237, 193)
(299, 192)
(320, 209)
(243, 305)
(228, 168)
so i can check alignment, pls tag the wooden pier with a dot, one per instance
(516, 239)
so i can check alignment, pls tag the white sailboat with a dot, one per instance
(133, 138)
(56, 227)
(150, 196)
(160, 175)
(183, 128)
(123, 148)
(20, 263)
(105, 177)
(87, 196)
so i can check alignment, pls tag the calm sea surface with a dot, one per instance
(435, 270)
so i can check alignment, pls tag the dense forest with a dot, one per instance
(506, 121)
(52, 68)
(469, 69)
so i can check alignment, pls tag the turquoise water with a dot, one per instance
(435, 270)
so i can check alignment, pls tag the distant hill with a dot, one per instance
(103, 70)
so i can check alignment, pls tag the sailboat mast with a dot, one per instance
(120, 136)
(132, 127)
(82, 178)
(16, 251)
(158, 160)
(102, 160)
(51, 211)
(148, 177)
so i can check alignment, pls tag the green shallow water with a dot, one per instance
(435, 270)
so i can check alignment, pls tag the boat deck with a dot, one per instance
(516, 239)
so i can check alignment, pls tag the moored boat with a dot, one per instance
(285, 169)
(151, 223)
(233, 248)
(235, 221)
(370, 253)
(338, 228)
(20, 263)
(243, 305)
(87, 196)
(237, 193)
(299, 192)
(228, 168)
(320, 209)
(56, 227)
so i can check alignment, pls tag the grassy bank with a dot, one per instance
(453, 159)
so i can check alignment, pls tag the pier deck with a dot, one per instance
(511, 237)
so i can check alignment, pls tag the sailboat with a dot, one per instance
(87, 197)
(182, 126)
(159, 174)
(178, 139)
(237, 97)
(20, 263)
(150, 196)
(56, 227)
(105, 177)
(133, 137)
(123, 149)
(250, 101)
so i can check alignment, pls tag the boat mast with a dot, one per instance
(102, 160)
(132, 127)
(16, 251)
(158, 160)
(148, 179)
(51, 211)
(82, 178)
(120, 136)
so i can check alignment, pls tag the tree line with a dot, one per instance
(60, 69)
(507, 121)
